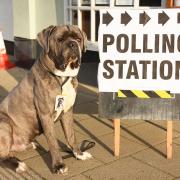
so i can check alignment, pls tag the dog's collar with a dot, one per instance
(67, 73)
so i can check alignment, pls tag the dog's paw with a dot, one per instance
(21, 167)
(83, 155)
(60, 169)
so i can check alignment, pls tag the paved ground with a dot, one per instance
(143, 143)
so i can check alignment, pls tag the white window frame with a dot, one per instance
(92, 44)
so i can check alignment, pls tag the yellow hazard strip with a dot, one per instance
(140, 94)
(163, 94)
(120, 94)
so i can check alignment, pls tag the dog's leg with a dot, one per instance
(5, 139)
(49, 131)
(67, 125)
(47, 124)
(5, 148)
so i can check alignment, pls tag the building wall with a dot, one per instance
(31, 16)
(6, 19)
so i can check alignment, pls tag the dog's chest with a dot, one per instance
(65, 100)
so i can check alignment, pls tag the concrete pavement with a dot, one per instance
(143, 143)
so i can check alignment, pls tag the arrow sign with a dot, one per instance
(143, 18)
(125, 18)
(107, 18)
(162, 18)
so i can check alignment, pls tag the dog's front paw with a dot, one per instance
(60, 169)
(83, 155)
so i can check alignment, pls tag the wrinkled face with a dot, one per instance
(64, 45)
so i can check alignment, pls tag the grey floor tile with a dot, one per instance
(78, 177)
(157, 159)
(92, 128)
(127, 169)
(42, 165)
(146, 133)
(104, 149)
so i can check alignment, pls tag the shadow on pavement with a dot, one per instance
(3, 93)
(94, 137)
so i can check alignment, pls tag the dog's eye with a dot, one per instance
(59, 40)
(78, 40)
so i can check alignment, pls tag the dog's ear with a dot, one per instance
(84, 41)
(83, 34)
(43, 37)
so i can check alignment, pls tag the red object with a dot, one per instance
(4, 62)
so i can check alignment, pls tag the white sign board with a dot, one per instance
(139, 50)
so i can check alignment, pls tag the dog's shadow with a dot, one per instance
(3, 93)
(46, 157)
(66, 152)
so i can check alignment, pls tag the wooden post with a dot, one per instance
(116, 137)
(169, 139)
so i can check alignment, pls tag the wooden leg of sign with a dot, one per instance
(116, 137)
(169, 139)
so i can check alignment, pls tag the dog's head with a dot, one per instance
(64, 45)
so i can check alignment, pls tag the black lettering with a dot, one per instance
(132, 70)
(169, 70)
(177, 70)
(178, 43)
(106, 65)
(133, 45)
(156, 50)
(145, 44)
(167, 42)
(108, 39)
(144, 68)
(120, 68)
(154, 70)
(122, 43)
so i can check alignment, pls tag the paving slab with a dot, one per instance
(42, 165)
(7, 173)
(163, 124)
(130, 123)
(43, 147)
(104, 149)
(78, 177)
(127, 169)
(146, 133)
(158, 161)
(92, 128)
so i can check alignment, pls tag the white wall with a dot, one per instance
(6, 19)
(31, 16)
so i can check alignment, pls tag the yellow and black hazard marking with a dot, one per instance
(145, 94)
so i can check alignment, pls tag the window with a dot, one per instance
(85, 13)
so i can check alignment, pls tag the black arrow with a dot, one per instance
(125, 18)
(143, 18)
(107, 18)
(162, 18)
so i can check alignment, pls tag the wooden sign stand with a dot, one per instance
(117, 133)
(170, 4)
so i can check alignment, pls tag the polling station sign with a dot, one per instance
(139, 50)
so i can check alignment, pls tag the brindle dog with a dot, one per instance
(46, 94)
